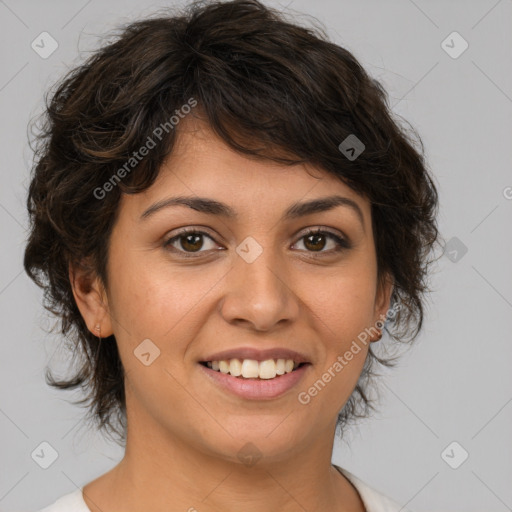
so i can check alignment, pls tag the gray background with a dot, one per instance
(454, 385)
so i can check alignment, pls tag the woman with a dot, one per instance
(226, 217)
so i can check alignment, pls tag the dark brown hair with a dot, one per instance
(270, 89)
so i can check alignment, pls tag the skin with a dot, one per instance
(184, 432)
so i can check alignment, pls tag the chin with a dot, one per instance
(257, 440)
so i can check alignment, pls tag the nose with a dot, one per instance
(259, 294)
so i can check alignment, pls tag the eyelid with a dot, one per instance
(196, 230)
(322, 229)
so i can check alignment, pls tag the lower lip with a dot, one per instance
(256, 389)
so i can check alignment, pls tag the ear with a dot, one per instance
(91, 299)
(383, 297)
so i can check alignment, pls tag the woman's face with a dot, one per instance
(253, 285)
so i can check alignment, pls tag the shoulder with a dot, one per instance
(373, 500)
(72, 502)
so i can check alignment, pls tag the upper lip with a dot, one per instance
(257, 354)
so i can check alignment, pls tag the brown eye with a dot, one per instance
(189, 242)
(318, 240)
(192, 242)
(315, 242)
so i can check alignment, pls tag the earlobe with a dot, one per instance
(383, 298)
(91, 300)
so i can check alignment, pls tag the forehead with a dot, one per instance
(203, 165)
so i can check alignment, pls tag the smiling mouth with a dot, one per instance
(252, 369)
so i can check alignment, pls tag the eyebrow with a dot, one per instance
(296, 210)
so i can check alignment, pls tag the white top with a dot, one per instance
(373, 500)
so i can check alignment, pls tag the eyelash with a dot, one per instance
(342, 244)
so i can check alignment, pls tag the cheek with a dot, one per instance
(154, 299)
(343, 302)
(343, 305)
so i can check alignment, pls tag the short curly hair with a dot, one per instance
(270, 89)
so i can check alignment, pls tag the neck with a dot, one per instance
(161, 473)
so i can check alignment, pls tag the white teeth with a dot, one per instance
(268, 369)
(252, 369)
(235, 367)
